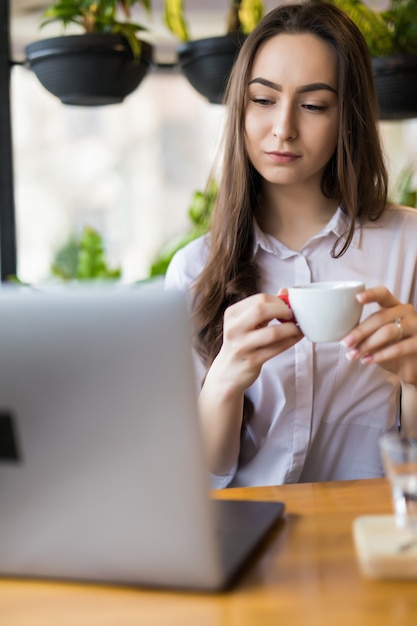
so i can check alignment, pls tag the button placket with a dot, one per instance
(303, 385)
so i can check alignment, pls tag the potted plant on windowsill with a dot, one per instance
(99, 66)
(391, 36)
(207, 62)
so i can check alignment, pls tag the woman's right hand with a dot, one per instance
(249, 339)
(252, 335)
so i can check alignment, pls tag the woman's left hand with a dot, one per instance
(387, 337)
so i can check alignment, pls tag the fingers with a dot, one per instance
(283, 295)
(380, 295)
(251, 336)
(251, 330)
(398, 324)
(266, 338)
(374, 323)
(256, 311)
(384, 335)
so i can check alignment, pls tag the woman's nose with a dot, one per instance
(284, 127)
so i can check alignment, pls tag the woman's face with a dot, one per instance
(291, 116)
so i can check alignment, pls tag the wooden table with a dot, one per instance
(305, 574)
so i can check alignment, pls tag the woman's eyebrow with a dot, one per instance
(302, 89)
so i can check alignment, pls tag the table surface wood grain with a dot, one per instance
(305, 573)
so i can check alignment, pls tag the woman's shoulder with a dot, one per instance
(396, 217)
(398, 213)
(187, 263)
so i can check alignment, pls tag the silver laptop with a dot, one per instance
(102, 474)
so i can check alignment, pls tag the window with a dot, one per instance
(128, 170)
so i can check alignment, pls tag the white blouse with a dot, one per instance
(317, 415)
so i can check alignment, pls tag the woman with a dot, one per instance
(302, 197)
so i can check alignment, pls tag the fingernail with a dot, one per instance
(352, 355)
(348, 341)
(367, 358)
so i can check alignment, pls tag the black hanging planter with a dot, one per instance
(207, 63)
(396, 85)
(90, 69)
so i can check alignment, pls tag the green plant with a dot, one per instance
(99, 16)
(387, 32)
(83, 258)
(199, 213)
(405, 192)
(243, 16)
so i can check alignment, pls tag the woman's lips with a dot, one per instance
(283, 157)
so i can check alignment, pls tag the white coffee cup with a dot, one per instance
(326, 311)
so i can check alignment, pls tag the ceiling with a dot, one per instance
(205, 18)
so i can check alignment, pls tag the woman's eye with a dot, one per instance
(261, 101)
(314, 107)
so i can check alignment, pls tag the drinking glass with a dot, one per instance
(399, 457)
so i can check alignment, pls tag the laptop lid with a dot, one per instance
(102, 473)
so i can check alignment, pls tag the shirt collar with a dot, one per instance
(338, 225)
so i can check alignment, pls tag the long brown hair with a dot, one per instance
(355, 176)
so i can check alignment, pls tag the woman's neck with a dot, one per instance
(294, 215)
